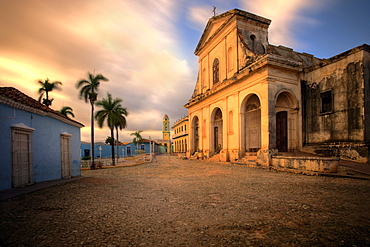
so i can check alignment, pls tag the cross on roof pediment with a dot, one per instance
(213, 27)
(217, 23)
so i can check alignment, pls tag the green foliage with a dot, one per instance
(86, 158)
(47, 87)
(89, 88)
(109, 140)
(113, 112)
(138, 138)
(66, 110)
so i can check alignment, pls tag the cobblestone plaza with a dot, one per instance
(174, 202)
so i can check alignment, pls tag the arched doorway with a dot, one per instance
(195, 132)
(252, 124)
(286, 121)
(282, 131)
(217, 124)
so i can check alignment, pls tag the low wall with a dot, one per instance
(347, 151)
(314, 164)
(104, 162)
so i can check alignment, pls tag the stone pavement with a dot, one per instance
(174, 202)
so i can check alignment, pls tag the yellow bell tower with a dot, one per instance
(166, 128)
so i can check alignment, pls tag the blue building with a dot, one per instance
(38, 144)
(125, 149)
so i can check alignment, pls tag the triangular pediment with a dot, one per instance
(213, 26)
(217, 23)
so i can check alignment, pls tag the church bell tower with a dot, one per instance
(166, 128)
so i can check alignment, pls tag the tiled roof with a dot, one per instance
(15, 98)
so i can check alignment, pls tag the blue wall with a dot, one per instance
(45, 145)
(106, 151)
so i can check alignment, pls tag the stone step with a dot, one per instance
(250, 157)
(351, 172)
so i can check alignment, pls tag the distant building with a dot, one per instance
(38, 144)
(125, 149)
(181, 135)
(252, 98)
(166, 135)
(146, 145)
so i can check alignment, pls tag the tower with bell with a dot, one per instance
(166, 128)
(165, 142)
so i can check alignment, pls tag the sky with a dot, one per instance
(146, 48)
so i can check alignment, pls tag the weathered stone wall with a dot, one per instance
(366, 74)
(313, 164)
(341, 130)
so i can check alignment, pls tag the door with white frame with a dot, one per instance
(66, 158)
(21, 155)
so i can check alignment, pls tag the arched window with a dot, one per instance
(216, 71)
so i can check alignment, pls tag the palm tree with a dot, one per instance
(108, 140)
(113, 113)
(138, 138)
(89, 91)
(47, 87)
(66, 110)
(120, 126)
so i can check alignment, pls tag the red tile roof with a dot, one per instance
(14, 95)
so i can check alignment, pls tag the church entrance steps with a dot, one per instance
(249, 160)
(298, 154)
(215, 158)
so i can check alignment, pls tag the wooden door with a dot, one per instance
(216, 147)
(21, 158)
(66, 157)
(282, 131)
(253, 130)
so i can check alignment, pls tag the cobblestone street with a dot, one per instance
(174, 202)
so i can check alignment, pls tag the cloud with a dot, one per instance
(199, 16)
(286, 16)
(132, 43)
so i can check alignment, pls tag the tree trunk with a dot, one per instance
(92, 136)
(112, 145)
(117, 151)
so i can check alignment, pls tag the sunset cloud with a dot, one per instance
(144, 47)
(132, 43)
(286, 16)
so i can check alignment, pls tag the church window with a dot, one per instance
(216, 71)
(253, 44)
(326, 102)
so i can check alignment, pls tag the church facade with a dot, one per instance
(254, 98)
